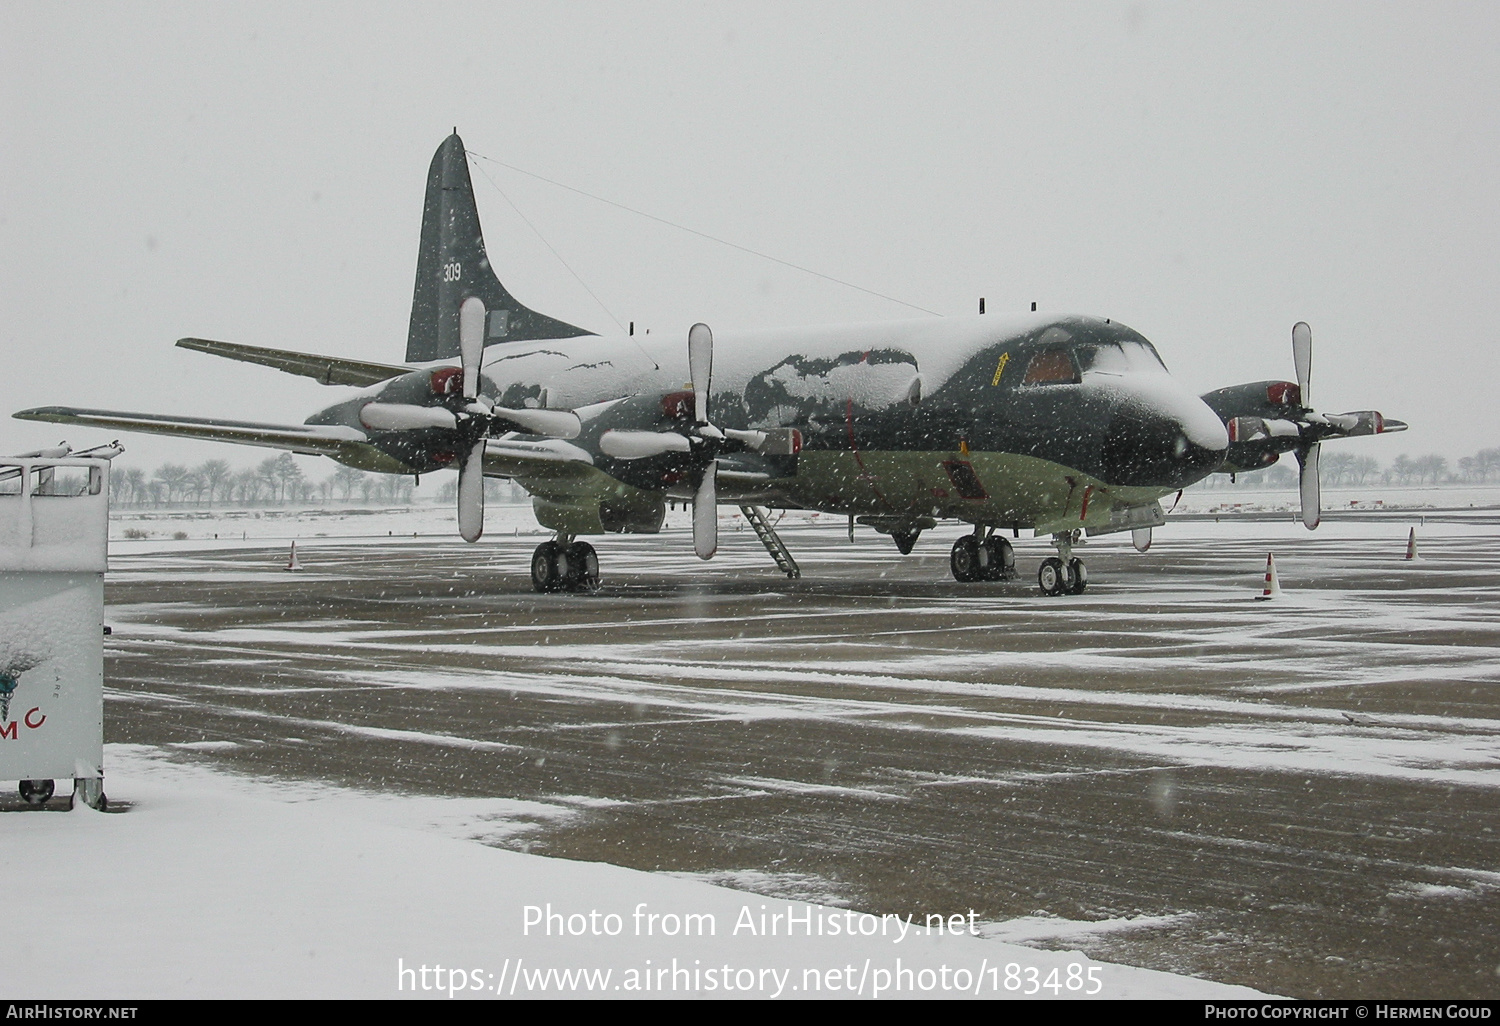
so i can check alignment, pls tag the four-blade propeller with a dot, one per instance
(1308, 427)
(700, 440)
(472, 415)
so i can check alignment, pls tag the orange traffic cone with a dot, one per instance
(292, 562)
(1273, 586)
(1411, 544)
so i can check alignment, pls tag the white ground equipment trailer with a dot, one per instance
(54, 544)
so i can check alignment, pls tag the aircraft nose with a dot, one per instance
(1166, 437)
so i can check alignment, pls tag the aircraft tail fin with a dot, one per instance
(452, 266)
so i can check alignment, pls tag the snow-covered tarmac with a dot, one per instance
(214, 886)
(1299, 796)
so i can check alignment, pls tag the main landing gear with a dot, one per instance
(982, 556)
(565, 565)
(985, 556)
(1063, 574)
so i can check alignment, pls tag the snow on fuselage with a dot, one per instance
(1076, 394)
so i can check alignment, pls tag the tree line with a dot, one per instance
(277, 481)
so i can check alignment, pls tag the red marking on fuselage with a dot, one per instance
(865, 474)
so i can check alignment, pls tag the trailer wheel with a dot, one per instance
(37, 792)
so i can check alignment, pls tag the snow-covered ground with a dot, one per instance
(211, 885)
(1340, 497)
(216, 884)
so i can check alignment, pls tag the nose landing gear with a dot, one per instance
(1063, 574)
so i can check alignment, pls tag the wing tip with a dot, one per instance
(47, 413)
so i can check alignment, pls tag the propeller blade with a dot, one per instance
(471, 342)
(1311, 487)
(1302, 357)
(749, 439)
(405, 417)
(701, 367)
(471, 494)
(638, 445)
(553, 423)
(706, 513)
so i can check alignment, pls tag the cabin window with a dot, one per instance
(1050, 367)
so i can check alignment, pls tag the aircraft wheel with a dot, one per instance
(544, 567)
(582, 572)
(1080, 576)
(1002, 561)
(1051, 576)
(1069, 578)
(965, 559)
(37, 792)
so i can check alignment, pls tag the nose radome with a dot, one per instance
(1160, 398)
(1161, 435)
(1200, 425)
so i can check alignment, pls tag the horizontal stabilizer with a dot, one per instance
(326, 370)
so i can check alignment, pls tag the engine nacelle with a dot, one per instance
(634, 513)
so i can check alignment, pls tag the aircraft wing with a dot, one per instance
(326, 370)
(536, 459)
(311, 439)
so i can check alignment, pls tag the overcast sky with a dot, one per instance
(1206, 173)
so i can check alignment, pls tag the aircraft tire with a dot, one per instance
(1050, 577)
(1002, 562)
(544, 567)
(582, 568)
(1080, 575)
(37, 792)
(964, 560)
(1068, 578)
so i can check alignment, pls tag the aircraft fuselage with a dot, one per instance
(1038, 422)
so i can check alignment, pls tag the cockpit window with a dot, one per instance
(1107, 358)
(1118, 358)
(1050, 367)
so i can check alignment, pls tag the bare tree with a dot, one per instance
(289, 475)
(346, 479)
(215, 474)
(1336, 466)
(136, 478)
(171, 476)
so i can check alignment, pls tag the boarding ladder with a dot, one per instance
(771, 540)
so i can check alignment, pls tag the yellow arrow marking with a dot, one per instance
(1000, 368)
